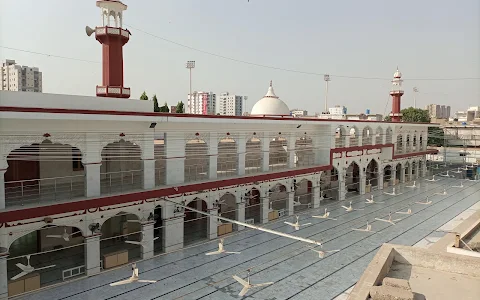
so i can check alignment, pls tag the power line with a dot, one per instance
(243, 62)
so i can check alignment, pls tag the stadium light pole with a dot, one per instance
(326, 78)
(415, 91)
(190, 65)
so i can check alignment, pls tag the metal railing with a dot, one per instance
(227, 169)
(73, 272)
(113, 182)
(44, 190)
(196, 172)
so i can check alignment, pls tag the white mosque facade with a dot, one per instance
(104, 177)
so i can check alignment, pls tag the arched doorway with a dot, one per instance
(304, 155)
(278, 154)
(46, 171)
(329, 184)
(118, 229)
(372, 173)
(195, 226)
(227, 160)
(367, 136)
(278, 198)
(122, 167)
(414, 171)
(340, 135)
(353, 136)
(303, 195)
(387, 176)
(252, 206)
(196, 160)
(398, 173)
(47, 247)
(158, 230)
(228, 209)
(352, 178)
(253, 156)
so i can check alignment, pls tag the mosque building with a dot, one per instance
(79, 182)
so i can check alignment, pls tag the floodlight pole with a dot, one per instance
(326, 78)
(190, 65)
(415, 91)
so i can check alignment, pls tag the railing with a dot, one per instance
(160, 176)
(72, 272)
(113, 182)
(196, 172)
(226, 169)
(44, 190)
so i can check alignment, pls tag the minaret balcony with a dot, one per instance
(396, 92)
(113, 91)
(111, 31)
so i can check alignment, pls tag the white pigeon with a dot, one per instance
(66, 236)
(27, 269)
(247, 285)
(324, 216)
(371, 201)
(133, 278)
(221, 249)
(297, 225)
(321, 253)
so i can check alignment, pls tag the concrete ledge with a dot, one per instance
(468, 226)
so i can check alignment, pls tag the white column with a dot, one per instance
(424, 168)
(362, 182)
(92, 161)
(241, 152)
(147, 236)
(404, 141)
(316, 196)
(2, 189)
(265, 154)
(148, 145)
(92, 254)
(291, 139)
(213, 225)
(341, 185)
(212, 155)
(3, 277)
(175, 158)
(240, 215)
(402, 174)
(380, 179)
(172, 228)
(264, 208)
(393, 176)
(291, 197)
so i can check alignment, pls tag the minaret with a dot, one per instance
(112, 37)
(396, 93)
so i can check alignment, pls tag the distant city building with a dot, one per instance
(469, 115)
(201, 103)
(338, 110)
(438, 111)
(299, 113)
(18, 78)
(230, 105)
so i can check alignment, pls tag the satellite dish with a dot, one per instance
(89, 30)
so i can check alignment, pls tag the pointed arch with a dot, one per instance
(340, 137)
(303, 195)
(253, 155)
(367, 134)
(353, 136)
(278, 153)
(227, 159)
(197, 161)
(304, 155)
(389, 136)
(253, 203)
(378, 136)
(195, 225)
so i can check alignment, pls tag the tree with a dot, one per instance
(417, 115)
(156, 108)
(180, 109)
(413, 115)
(144, 96)
(165, 108)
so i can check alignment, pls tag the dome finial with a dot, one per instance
(271, 83)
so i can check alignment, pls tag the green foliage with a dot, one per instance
(165, 108)
(144, 96)
(413, 115)
(180, 109)
(156, 108)
(436, 136)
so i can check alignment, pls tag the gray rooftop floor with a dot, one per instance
(297, 271)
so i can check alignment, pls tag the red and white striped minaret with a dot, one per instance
(112, 37)
(396, 93)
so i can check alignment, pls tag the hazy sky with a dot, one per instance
(426, 39)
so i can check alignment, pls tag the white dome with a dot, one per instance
(270, 105)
